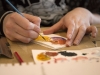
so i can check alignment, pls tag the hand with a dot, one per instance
(77, 23)
(18, 28)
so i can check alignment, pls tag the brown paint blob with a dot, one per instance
(51, 53)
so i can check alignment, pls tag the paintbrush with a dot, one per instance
(20, 13)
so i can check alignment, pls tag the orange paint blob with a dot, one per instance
(43, 57)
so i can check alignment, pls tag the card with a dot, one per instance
(51, 41)
(65, 68)
(45, 56)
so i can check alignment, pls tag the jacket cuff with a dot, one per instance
(1, 22)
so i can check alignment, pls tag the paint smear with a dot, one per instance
(70, 54)
(43, 57)
(58, 40)
(51, 53)
(39, 38)
(95, 58)
(84, 53)
(80, 58)
(53, 40)
(59, 59)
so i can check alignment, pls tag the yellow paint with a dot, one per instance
(43, 57)
(39, 38)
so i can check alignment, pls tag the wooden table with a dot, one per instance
(24, 50)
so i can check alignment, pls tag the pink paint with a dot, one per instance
(93, 53)
(48, 62)
(59, 59)
(55, 60)
(80, 58)
(41, 63)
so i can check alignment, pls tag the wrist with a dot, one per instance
(95, 19)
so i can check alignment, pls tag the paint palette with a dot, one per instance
(51, 41)
(45, 56)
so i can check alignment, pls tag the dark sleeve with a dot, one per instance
(3, 13)
(1, 9)
(91, 5)
(5, 9)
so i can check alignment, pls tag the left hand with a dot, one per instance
(77, 23)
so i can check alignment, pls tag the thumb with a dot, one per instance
(53, 28)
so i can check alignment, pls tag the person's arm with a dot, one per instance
(6, 9)
(94, 7)
(95, 19)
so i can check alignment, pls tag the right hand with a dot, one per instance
(19, 28)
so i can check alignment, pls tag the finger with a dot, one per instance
(54, 28)
(22, 38)
(34, 19)
(93, 30)
(70, 31)
(69, 42)
(36, 28)
(24, 32)
(22, 21)
(71, 26)
(15, 36)
(80, 35)
(11, 38)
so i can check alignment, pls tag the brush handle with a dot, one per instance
(14, 7)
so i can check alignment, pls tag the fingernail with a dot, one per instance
(94, 35)
(69, 36)
(68, 44)
(32, 25)
(38, 29)
(76, 42)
